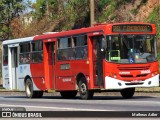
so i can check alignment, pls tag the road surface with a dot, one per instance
(100, 102)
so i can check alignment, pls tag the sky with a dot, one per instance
(29, 9)
(33, 1)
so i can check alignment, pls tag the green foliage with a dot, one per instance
(102, 4)
(9, 9)
(74, 13)
(158, 56)
(144, 1)
(154, 18)
(40, 8)
(134, 11)
(107, 14)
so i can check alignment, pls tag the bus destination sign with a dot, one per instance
(132, 28)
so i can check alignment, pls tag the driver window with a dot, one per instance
(115, 43)
(113, 49)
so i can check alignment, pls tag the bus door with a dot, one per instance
(13, 66)
(97, 60)
(49, 63)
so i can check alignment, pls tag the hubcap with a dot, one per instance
(83, 88)
(28, 89)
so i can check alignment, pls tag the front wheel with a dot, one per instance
(128, 93)
(83, 90)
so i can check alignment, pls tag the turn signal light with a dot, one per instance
(112, 75)
(154, 73)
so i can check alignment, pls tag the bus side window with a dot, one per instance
(64, 49)
(24, 53)
(80, 44)
(5, 55)
(37, 52)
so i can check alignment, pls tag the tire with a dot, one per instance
(127, 93)
(30, 93)
(85, 94)
(68, 94)
(39, 94)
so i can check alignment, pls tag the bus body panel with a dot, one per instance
(120, 76)
(66, 78)
(37, 73)
(130, 72)
(23, 70)
(5, 77)
(113, 84)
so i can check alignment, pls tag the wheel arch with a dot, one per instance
(25, 79)
(79, 76)
(34, 86)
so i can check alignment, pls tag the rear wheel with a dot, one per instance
(30, 93)
(39, 94)
(83, 90)
(128, 93)
(68, 94)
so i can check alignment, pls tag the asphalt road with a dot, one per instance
(100, 102)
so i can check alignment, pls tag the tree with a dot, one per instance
(9, 9)
(40, 8)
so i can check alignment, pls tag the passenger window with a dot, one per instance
(80, 40)
(37, 46)
(24, 47)
(64, 43)
(65, 51)
(5, 55)
(37, 52)
(81, 46)
(70, 48)
(25, 55)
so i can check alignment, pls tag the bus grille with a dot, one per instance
(126, 76)
(133, 68)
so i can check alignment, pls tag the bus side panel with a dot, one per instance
(37, 72)
(23, 71)
(80, 66)
(66, 79)
(5, 77)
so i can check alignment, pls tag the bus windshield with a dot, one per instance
(131, 48)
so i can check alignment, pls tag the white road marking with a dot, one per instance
(60, 108)
(151, 102)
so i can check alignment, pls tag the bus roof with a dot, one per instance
(96, 27)
(13, 41)
(71, 32)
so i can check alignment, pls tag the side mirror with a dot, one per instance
(103, 52)
(102, 49)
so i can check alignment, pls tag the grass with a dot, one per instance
(153, 89)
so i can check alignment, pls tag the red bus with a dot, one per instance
(106, 57)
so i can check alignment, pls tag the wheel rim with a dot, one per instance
(83, 88)
(28, 89)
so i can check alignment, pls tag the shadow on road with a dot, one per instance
(119, 97)
(78, 98)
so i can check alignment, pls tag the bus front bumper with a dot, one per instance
(115, 84)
